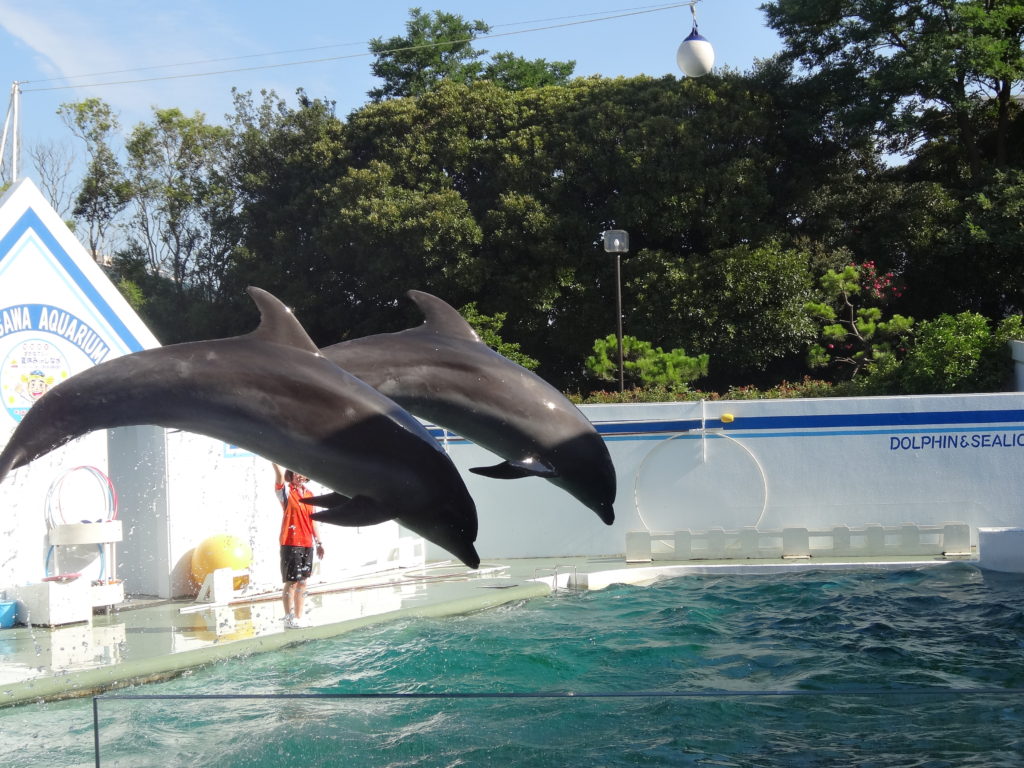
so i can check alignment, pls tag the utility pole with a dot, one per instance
(12, 129)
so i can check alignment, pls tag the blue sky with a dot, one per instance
(42, 42)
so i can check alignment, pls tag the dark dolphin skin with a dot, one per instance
(442, 372)
(273, 393)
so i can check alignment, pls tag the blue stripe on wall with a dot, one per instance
(888, 423)
(821, 421)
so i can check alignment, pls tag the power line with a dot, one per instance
(621, 13)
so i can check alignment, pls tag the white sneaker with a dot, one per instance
(295, 622)
(288, 618)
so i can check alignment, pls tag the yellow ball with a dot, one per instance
(727, 418)
(221, 551)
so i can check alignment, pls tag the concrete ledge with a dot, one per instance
(641, 576)
(89, 682)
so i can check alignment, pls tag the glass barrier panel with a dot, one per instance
(763, 728)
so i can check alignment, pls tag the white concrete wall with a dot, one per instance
(23, 528)
(781, 463)
(215, 488)
(59, 314)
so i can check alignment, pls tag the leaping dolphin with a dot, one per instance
(273, 393)
(442, 372)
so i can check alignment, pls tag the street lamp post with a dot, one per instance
(617, 241)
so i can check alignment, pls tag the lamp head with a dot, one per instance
(616, 241)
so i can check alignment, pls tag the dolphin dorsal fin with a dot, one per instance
(440, 317)
(278, 325)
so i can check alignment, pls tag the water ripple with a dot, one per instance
(835, 639)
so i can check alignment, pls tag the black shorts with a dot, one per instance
(296, 563)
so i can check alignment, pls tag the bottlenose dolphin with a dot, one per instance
(273, 393)
(442, 372)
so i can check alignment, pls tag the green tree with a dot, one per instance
(854, 337)
(438, 46)
(488, 328)
(959, 353)
(515, 73)
(645, 365)
(745, 303)
(105, 191)
(174, 207)
(965, 254)
(477, 193)
(483, 194)
(176, 167)
(913, 71)
(284, 161)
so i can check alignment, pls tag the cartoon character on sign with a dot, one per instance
(30, 370)
(35, 385)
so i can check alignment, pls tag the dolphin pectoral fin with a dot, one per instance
(513, 470)
(327, 500)
(355, 512)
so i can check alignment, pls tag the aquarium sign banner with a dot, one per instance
(59, 312)
(42, 345)
(957, 441)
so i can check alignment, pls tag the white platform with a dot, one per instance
(104, 534)
(52, 603)
(908, 539)
(1001, 549)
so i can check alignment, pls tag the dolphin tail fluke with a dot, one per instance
(354, 512)
(513, 470)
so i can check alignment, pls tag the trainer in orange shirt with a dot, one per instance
(299, 532)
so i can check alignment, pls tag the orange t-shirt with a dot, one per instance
(296, 523)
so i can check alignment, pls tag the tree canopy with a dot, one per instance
(438, 47)
(489, 182)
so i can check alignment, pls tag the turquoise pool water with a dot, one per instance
(914, 668)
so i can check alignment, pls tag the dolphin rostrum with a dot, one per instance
(273, 393)
(442, 372)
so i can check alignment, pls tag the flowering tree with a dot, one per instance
(854, 337)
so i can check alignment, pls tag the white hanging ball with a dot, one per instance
(695, 56)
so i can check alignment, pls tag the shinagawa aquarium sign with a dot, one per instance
(59, 313)
(42, 345)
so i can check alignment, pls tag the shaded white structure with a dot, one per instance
(812, 464)
(60, 314)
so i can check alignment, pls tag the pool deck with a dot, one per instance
(149, 640)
